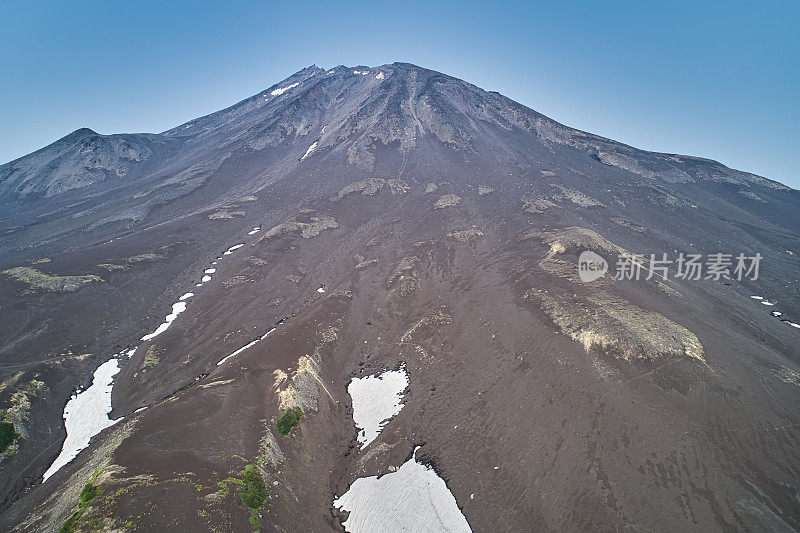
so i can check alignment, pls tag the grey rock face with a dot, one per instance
(78, 160)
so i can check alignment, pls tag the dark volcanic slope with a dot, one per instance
(444, 223)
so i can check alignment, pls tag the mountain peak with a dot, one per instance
(82, 132)
(360, 110)
(361, 115)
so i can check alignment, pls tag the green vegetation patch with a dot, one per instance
(289, 420)
(7, 435)
(88, 494)
(254, 492)
(48, 282)
(223, 488)
(14, 419)
(150, 358)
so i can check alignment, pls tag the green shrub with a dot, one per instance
(254, 494)
(71, 523)
(88, 494)
(7, 435)
(288, 420)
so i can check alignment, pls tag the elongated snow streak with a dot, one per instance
(278, 92)
(757, 297)
(310, 150)
(232, 249)
(376, 400)
(177, 308)
(86, 415)
(414, 498)
(246, 346)
(252, 232)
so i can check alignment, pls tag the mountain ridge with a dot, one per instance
(557, 131)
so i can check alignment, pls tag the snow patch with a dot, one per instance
(757, 297)
(278, 92)
(379, 76)
(362, 72)
(246, 346)
(767, 303)
(86, 415)
(177, 308)
(376, 400)
(186, 296)
(205, 279)
(232, 249)
(310, 150)
(414, 498)
(237, 352)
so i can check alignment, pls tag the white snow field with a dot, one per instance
(376, 399)
(86, 415)
(414, 498)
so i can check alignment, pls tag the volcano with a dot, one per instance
(355, 301)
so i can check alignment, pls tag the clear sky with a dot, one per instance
(718, 79)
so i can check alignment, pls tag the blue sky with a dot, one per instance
(714, 79)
